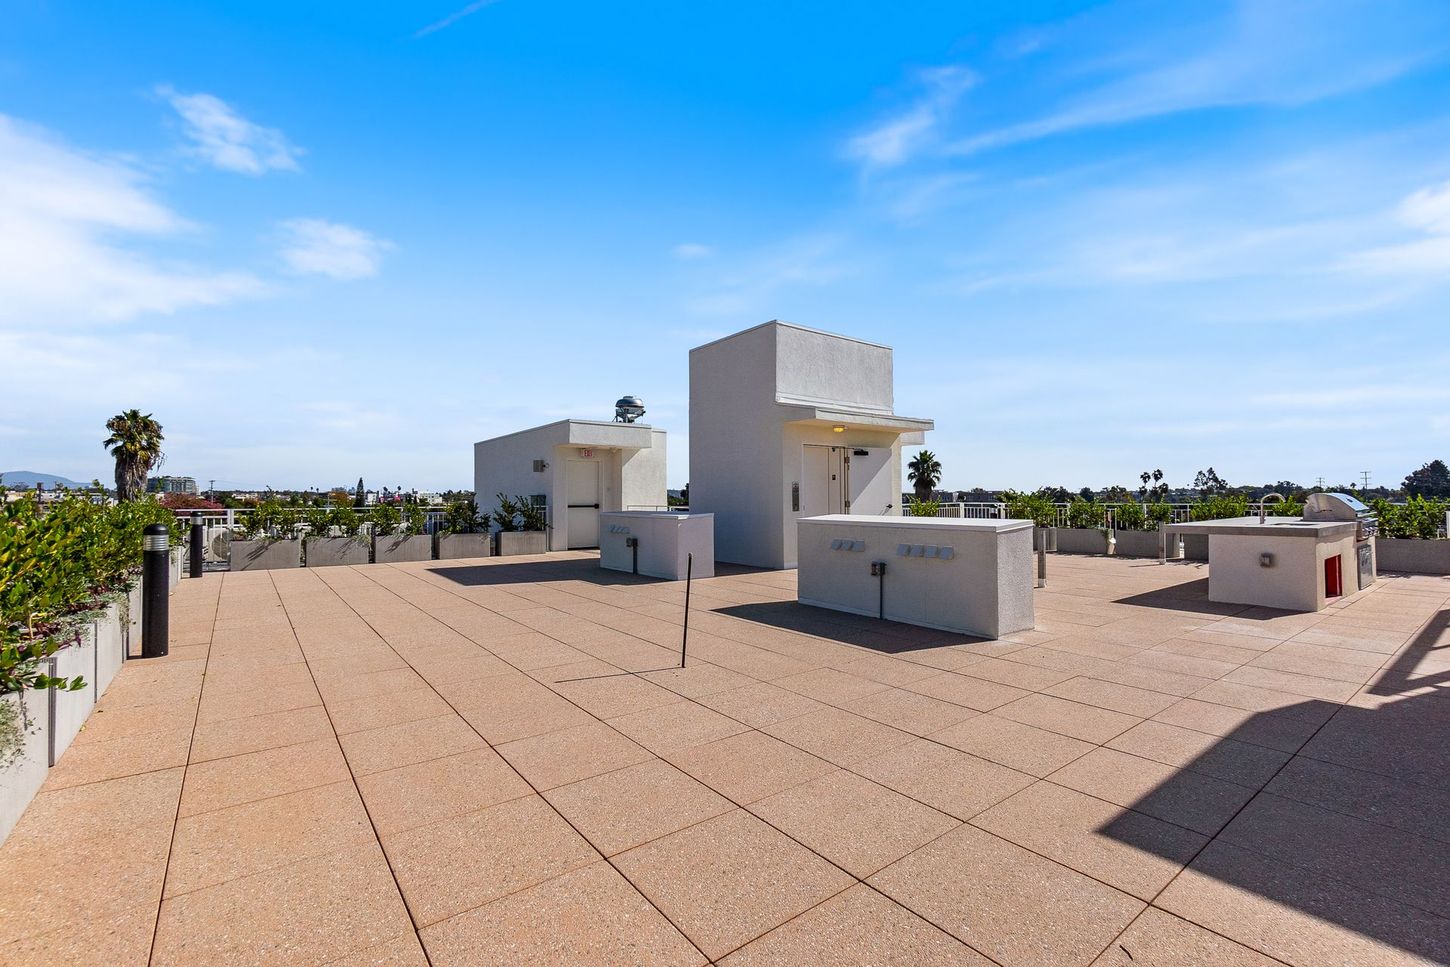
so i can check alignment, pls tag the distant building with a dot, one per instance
(171, 485)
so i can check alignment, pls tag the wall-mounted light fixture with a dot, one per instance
(838, 428)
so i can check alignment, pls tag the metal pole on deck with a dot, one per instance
(155, 591)
(198, 537)
(685, 637)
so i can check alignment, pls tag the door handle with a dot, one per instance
(580, 506)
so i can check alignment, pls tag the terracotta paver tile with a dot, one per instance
(728, 880)
(591, 915)
(258, 775)
(760, 704)
(256, 701)
(1130, 851)
(378, 750)
(622, 809)
(568, 755)
(402, 951)
(973, 693)
(504, 715)
(1012, 744)
(270, 730)
(457, 864)
(829, 685)
(1157, 937)
(1392, 863)
(954, 782)
(1139, 702)
(859, 926)
(1086, 722)
(1298, 917)
(853, 822)
(425, 792)
(838, 736)
(90, 880)
(223, 844)
(909, 711)
(678, 725)
(122, 939)
(1408, 806)
(617, 694)
(1180, 796)
(697, 679)
(387, 681)
(1017, 674)
(1014, 906)
(749, 766)
(1239, 762)
(888, 670)
(1272, 730)
(90, 810)
(312, 911)
(386, 708)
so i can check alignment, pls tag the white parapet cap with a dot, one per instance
(601, 434)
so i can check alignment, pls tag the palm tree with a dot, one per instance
(924, 472)
(135, 442)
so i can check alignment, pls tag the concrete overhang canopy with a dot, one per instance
(857, 419)
(590, 433)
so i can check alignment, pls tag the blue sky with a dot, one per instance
(320, 242)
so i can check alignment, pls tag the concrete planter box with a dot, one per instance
(336, 551)
(396, 548)
(1081, 540)
(71, 709)
(110, 645)
(265, 555)
(512, 543)
(1412, 556)
(1138, 543)
(20, 781)
(452, 547)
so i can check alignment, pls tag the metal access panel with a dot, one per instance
(1364, 555)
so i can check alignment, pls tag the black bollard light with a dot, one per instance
(197, 535)
(155, 591)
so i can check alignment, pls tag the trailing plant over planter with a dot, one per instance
(270, 521)
(1084, 515)
(1129, 516)
(462, 517)
(1220, 506)
(59, 565)
(519, 514)
(1038, 508)
(385, 520)
(1419, 517)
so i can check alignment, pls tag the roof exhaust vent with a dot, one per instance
(628, 409)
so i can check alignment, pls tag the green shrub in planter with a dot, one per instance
(924, 508)
(520, 514)
(385, 519)
(1159, 514)
(1085, 516)
(1221, 507)
(1038, 508)
(1130, 516)
(462, 517)
(1419, 517)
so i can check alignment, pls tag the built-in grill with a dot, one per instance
(1325, 507)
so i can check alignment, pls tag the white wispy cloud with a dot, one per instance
(223, 138)
(77, 239)
(689, 251)
(1426, 212)
(898, 138)
(315, 246)
(1280, 54)
(755, 282)
(453, 18)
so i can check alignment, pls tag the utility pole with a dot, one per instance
(1364, 474)
(1319, 482)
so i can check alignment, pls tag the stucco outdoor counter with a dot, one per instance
(663, 541)
(1281, 562)
(970, 576)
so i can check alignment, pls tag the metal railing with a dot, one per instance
(1180, 513)
(231, 518)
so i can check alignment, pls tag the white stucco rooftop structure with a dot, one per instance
(786, 423)
(576, 468)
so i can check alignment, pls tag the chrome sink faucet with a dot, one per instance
(1262, 515)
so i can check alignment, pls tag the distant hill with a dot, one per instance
(29, 478)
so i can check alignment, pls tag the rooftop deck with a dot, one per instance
(499, 762)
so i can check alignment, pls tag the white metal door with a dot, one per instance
(583, 500)
(823, 484)
(869, 476)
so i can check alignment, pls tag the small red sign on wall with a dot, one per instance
(586, 454)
